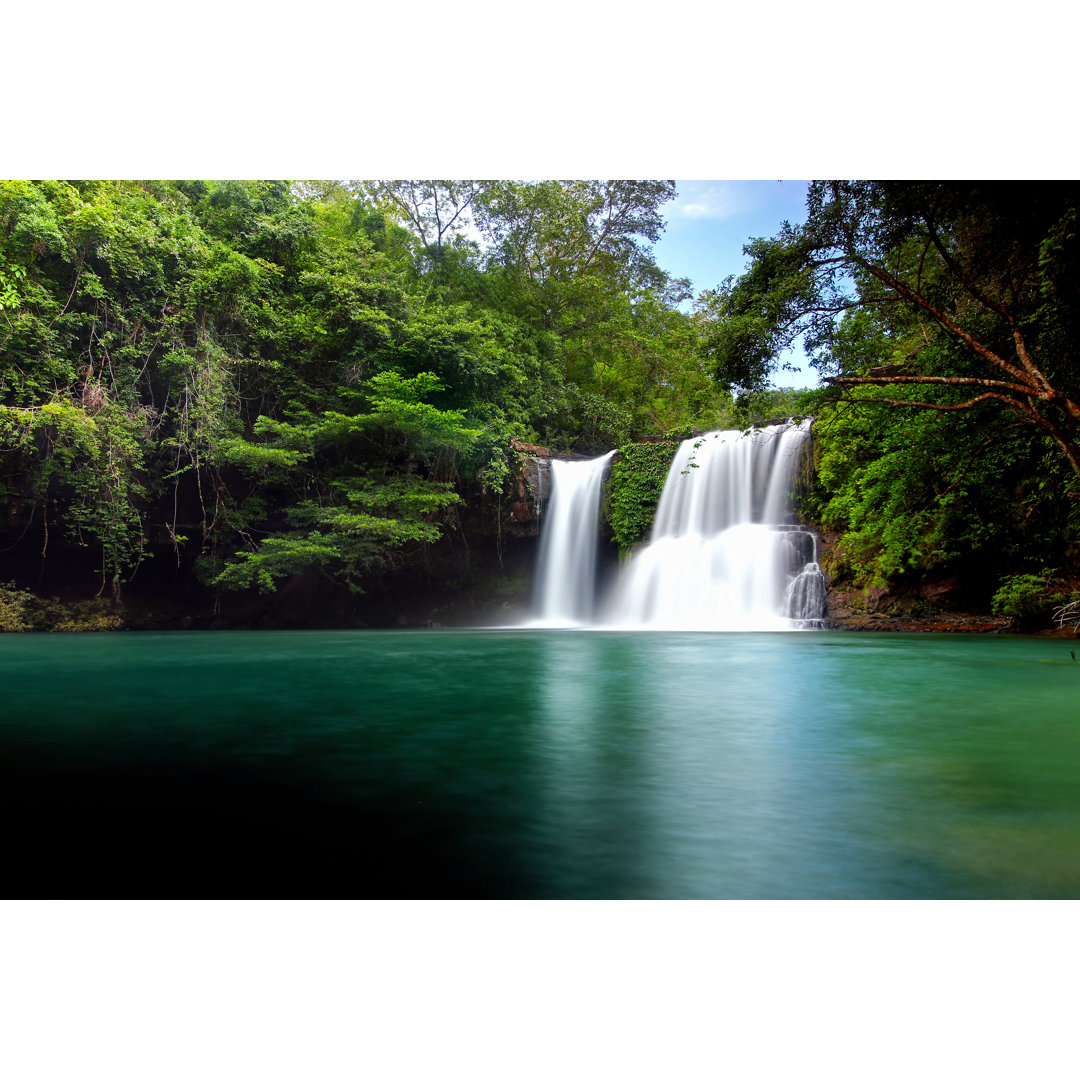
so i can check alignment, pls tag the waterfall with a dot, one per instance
(725, 552)
(566, 574)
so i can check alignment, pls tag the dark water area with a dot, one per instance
(539, 764)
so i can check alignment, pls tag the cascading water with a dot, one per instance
(725, 554)
(566, 574)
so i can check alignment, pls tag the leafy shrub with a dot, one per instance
(14, 608)
(1025, 598)
(22, 611)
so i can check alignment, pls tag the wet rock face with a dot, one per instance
(531, 487)
(531, 483)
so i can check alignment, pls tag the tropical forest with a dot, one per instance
(267, 404)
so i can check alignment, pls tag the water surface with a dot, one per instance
(547, 764)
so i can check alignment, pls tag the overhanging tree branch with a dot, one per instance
(916, 298)
(936, 380)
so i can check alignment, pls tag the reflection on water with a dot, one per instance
(715, 762)
(541, 764)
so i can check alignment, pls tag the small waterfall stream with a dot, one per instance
(725, 554)
(566, 575)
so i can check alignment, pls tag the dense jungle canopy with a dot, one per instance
(258, 379)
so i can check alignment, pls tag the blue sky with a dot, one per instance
(711, 220)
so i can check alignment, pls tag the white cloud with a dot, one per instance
(714, 200)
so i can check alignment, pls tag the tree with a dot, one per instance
(361, 502)
(434, 209)
(567, 280)
(572, 258)
(971, 291)
(561, 240)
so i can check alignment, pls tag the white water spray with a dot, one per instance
(725, 553)
(566, 574)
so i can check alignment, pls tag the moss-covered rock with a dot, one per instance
(637, 479)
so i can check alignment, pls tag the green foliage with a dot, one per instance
(1026, 598)
(87, 458)
(748, 321)
(347, 537)
(764, 405)
(22, 611)
(637, 479)
(397, 405)
(919, 492)
(14, 608)
(361, 508)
